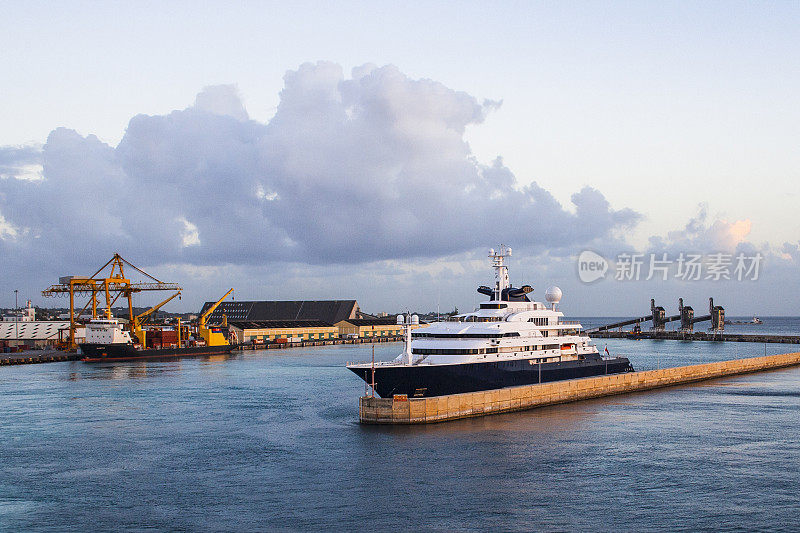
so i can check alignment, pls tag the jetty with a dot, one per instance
(35, 357)
(55, 356)
(405, 410)
(679, 335)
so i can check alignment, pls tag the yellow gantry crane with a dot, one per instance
(112, 285)
(212, 338)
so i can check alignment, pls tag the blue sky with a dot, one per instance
(661, 107)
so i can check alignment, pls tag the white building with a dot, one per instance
(34, 334)
(23, 315)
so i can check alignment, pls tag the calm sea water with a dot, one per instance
(270, 441)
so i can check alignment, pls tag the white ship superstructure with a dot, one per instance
(106, 331)
(503, 329)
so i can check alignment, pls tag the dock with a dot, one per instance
(323, 342)
(404, 410)
(35, 357)
(54, 356)
(679, 335)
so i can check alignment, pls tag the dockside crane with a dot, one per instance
(113, 285)
(212, 338)
(141, 319)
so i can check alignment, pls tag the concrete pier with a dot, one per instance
(54, 356)
(402, 410)
(699, 336)
(28, 358)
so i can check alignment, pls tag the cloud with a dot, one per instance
(700, 234)
(221, 100)
(7, 231)
(21, 162)
(349, 170)
(190, 235)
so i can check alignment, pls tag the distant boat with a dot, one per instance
(756, 321)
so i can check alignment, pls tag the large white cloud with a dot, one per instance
(365, 168)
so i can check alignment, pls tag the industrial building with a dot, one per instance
(31, 334)
(270, 321)
(22, 329)
(369, 327)
(328, 311)
(274, 330)
(310, 320)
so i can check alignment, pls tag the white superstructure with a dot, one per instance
(106, 331)
(507, 326)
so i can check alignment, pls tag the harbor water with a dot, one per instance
(270, 440)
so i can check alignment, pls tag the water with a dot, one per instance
(270, 441)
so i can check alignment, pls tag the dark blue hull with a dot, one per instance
(96, 353)
(438, 380)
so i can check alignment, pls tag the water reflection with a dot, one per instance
(123, 371)
(149, 368)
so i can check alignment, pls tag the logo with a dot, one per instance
(591, 266)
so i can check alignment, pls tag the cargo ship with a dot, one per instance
(508, 341)
(106, 340)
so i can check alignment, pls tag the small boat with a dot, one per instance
(754, 322)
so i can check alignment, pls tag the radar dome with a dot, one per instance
(553, 295)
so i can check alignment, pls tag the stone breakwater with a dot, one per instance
(401, 410)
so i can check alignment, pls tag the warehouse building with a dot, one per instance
(329, 311)
(369, 327)
(37, 334)
(275, 330)
(270, 321)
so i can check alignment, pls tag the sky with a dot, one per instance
(374, 150)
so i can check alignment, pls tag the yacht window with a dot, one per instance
(447, 351)
(539, 321)
(422, 335)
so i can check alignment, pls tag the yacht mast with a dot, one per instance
(500, 269)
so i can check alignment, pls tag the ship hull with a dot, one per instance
(95, 353)
(439, 380)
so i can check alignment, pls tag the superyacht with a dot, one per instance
(508, 341)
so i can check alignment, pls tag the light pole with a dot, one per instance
(16, 313)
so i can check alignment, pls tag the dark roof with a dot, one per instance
(266, 324)
(329, 311)
(372, 321)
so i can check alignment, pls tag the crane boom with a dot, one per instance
(212, 337)
(138, 318)
(202, 320)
